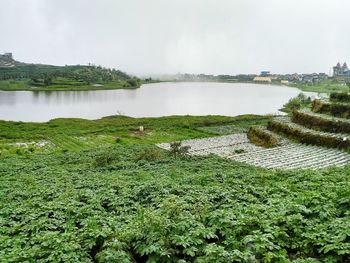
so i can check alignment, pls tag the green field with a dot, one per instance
(102, 192)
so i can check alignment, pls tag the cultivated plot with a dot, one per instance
(288, 155)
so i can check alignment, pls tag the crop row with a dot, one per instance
(321, 122)
(337, 109)
(287, 156)
(302, 134)
(261, 136)
(295, 156)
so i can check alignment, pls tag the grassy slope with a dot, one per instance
(156, 129)
(68, 206)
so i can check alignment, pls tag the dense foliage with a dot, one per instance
(55, 77)
(104, 193)
(64, 208)
(296, 103)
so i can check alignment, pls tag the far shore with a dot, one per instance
(21, 85)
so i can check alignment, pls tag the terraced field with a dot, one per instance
(288, 155)
(309, 139)
(295, 156)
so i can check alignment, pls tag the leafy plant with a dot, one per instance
(105, 159)
(150, 154)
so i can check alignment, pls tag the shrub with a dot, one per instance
(262, 137)
(177, 150)
(296, 103)
(150, 154)
(105, 159)
(133, 82)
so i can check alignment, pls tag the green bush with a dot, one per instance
(296, 103)
(105, 158)
(150, 154)
(262, 137)
(177, 150)
(133, 82)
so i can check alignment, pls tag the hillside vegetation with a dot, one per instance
(46, 77)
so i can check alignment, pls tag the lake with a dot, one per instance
(151, 100)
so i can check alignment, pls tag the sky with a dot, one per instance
(145, 37)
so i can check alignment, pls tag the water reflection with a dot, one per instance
(151, 100)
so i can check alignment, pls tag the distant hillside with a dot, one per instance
(22, 76)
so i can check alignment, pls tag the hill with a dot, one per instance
(16, 75)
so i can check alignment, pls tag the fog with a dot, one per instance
(171, 36)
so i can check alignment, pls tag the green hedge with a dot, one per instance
(340, 96)
(319, 123)
(308, 137)
(262, 137)
(336, 109)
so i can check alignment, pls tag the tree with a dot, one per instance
(177, 150)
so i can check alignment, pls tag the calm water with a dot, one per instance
(151, 100)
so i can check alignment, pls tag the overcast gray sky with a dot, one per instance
(171, 36)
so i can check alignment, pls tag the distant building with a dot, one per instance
(8, 55)
(341, 71)
(262, 79)
(284, 82)
(265, 73)
(6, 60)
(322, 76)
(308, 78)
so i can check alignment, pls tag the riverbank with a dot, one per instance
(25, 85)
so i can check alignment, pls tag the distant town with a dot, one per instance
(341, 73)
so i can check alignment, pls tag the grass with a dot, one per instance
(322, 87)
(76, 134)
